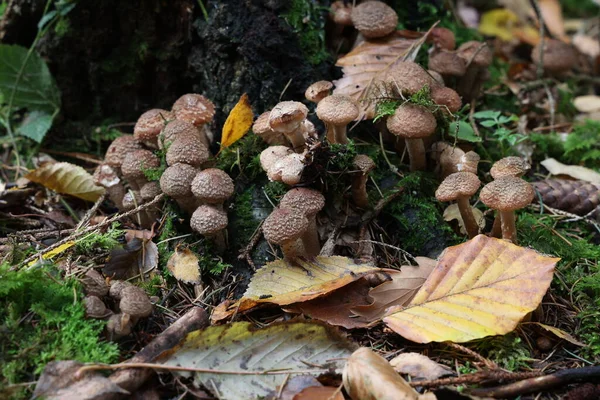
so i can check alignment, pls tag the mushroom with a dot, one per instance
(447, 63)
(270, 156)
(442, 38)
(134, 165)
(134, 304)
(447, 98)
(118, 149)
(210, 221)
(150, 190)
(94, 284)
(405, 78)
(194, 108)
(559, 57)
(337, 111)
(507, 194)
(187, 149)
(308, 202)
(287, 117)
(288, 169)
(364, 164)
(284, 227)
(116, 288)
(374, 19)
(341, 13)
(118, 325)
(150, 124)
(179, 128)
(460, 186)
(478, 58)
(107, 177)
(262, 128)
(510, 166)
(95, 308)
(452, 159)
(318, 91)
(212, 186)
(176, 182)
(413, 123)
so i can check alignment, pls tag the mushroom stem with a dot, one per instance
(296, 138)
(468, 218)
(359, 190)
(291, 251)
(509, 230)
(218, 239)
(310, 239)
(416, 153)
(497, 227)
(339, 133)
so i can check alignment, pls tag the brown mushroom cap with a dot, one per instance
(510, 166)
(149, 124)
(307, 201)
(468, 162)
(364, 163)
(177, 179)
(478, 53)
(341, 13)
(187, 149)
(318, 91)
(118, 326)
(94, 307)
(374, 19)
(458, 184)
(337, 109)
(443, 38)
(405, 78)
(150, 190)
(287, 116)
(179, 128)
(447, 63)
(136, 162)
(558, 56)
(119, 148)
(507, 193)
(288, 169)
(412, 122)
(194, 108)
(135, 302)
(208, 220)
(272, 154)
(94, 284)
(444, 96)
(262, 128)
(212, 186)
(284, 225)
(106, 176)
(116, 288)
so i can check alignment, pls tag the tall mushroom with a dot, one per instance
(460, 186)
(284, 227)
(134, 165)
(287, 117)
(364, 164)
(308, 202)
(337, 111)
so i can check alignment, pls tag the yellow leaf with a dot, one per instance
(54, 252)
(479, 288)
(559, 333)
(499, 22)
(183, 264)
(238, 122)
(68, 179)
(453, 213)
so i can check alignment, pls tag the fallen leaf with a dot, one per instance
(453, 213)
(479, 288)
(52, 253)
(397, 292)
(319, 393)
(368, 376)
(553, 18)
(587, 103)
(499, 22)
(559, 333)
(139, 256)
(296, 384)
(587, 45)
(184, 266)
(290, 347)
(574, 171)
(278, 283)
(68, 179)
(238, 122)
(418, 366)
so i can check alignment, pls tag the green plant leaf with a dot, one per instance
(462, 130)
(35, 125)
(35, 88)
(488, 123)
(486, 114)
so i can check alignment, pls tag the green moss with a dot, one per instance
(242, 221)
(243, 157)
(385, 108)
(508, 351)
(100, 241)
(307, 19)
(275, 191)
(154, 174)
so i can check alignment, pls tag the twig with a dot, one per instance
(488, 363)
(247, 251)
(86, 218)
(477, 377)
(472, 119)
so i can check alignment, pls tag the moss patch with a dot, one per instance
(307, 18)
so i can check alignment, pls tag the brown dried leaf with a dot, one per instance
(453, 213)
(587, 45)
(139, 256)
(184, 266)
(319, 393)
(418, 366)
(68, 179)
(296, 384)
(552, 14)
(574, 171)
(560, 333)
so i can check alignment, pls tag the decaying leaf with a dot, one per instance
(587, 45)
(453, 213)
(368, 376)
(139, 256)
(574, 171)
(319, 392)
(296, 347)
(506, 25)
(418, 366)
(68, 179)
(296, 384)
(143, 234)
(479, 288)
(278, 283)
(559, 333)
(553, 18)
(52, 253)
(238, 122)
(184, 266)
(397, 292)
(587, 103)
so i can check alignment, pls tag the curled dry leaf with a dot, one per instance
(368, 376)
(452, 213)
(418, 366)
(66, 178)
(238, 122)
(588, 103)
(479, 288)
(319, 393)
(278, 283)
(553, 18)
(183, 264)
(139, 256)
(574, 171)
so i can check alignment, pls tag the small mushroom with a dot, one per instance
(510, 166)
(94, 284)
(447, 63)
(288, 169)
(179, 128)
(318, 91)
(507, 194)
(337, 111)
(452, 159)
(187, 149)
(559, 57)
(262, 128)
(374, 19)
(116, 288)
(118, 149)
(478, 58)
(364, 164)
(194, 108)
(95, 308)
(308, 202)
(447, 98)
(135, 303)
(210, 222)
(107, 177)
(270, 156)
(460, 186)
(150, 124)
(118, 325)
(284, 227)
(134, 165)
(341, 13)
(176, 182)
(212, 186)
(405, 78)
(442, 38)
(287, 117)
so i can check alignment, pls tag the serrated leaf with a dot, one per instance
(479, 288)
(67, 178)
(238, 122)
(35, 125)
(184, 266)
(300, 347)
(35, 88)
(139, 256)
(278, 283)
(462, 130)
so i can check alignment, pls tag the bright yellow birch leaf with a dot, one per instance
(68, 179)
(54, 252)
(238, 122)
(479, 288)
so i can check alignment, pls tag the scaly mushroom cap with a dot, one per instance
(177, 179)
(119, 148)
(287, 116)
(288, 169)
(479, 52)
(443, 38)
(106, 176)
(341, 13)
(468, 162)
(150, 190)
(318, 91)
(374, 19)
(405, 78)
(284, 225)
(507, 193)
(149, 124)
(364, 163)
(94, 283)
(307, 201)
(510, 166)
(136, 162)
(187, 149)
(272, 154)
(194, 108)
(117, 287)
(262, 128)
(212, 186)
(176, 129)
(337, 109)
(135, 302)
(412, 121)
(558, 56)
(447, 63)
(444, 96)
(458, 184)
(208, 220)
